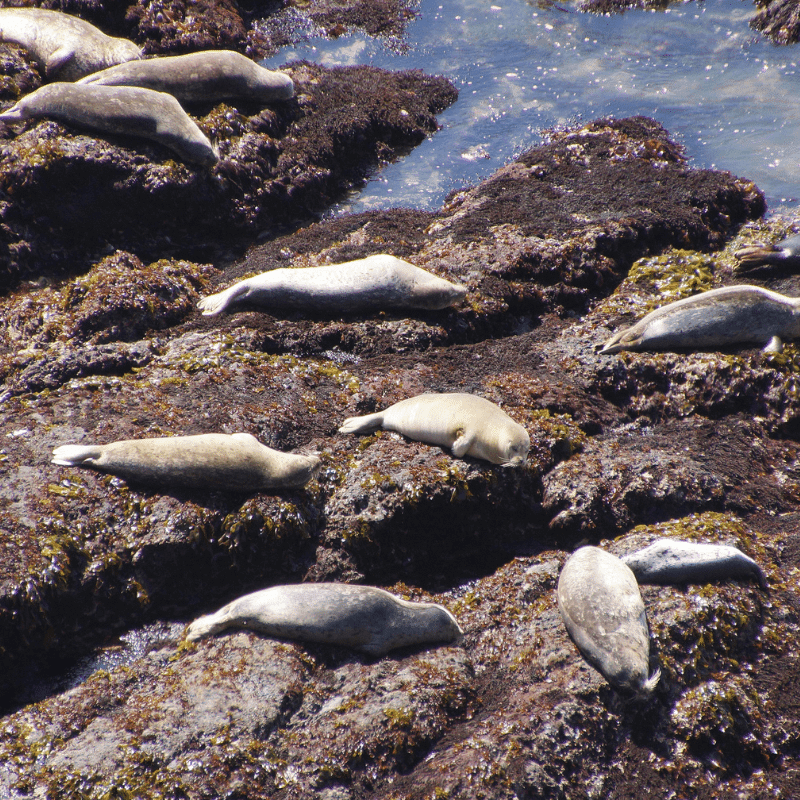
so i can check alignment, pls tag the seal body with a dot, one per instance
(362, 617)
(206, 77)
(237, 462)
(675, 561)
(467, 424)
(601, 606)
(785, 253)
(719, 317)
(369, 284)
(65, 47)
(124, 110)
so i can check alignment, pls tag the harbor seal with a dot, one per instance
(785, 254)
(206, 77)
(599, 601)
(676, 561)
(719, 317)
(125, 110)
(365, 618)
(469, 425)
(370, 284)
(237, 462)
(65, 47)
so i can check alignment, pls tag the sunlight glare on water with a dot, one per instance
(722, 91)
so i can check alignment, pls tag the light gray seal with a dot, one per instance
(370, 284)
(365, 618)
(206, 77)
(65, 47)
(676, 561)
(125, 110)
(469, 425)
(719, 317)
(784, 254)
(237, 462)
(601, 606)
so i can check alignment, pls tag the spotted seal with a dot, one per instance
(676, 561)
(206, 77)
(604, 614)
(719, 317)
(65, 47)
(469, 425)
(236, 462)
(785, 254)
(374, 283)
(125, 110)
(365, 618)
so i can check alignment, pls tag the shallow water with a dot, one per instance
(721, 90)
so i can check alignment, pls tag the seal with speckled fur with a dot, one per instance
(469, 425)
(676, 561)
(125, 110)
(784, 254)
(719, 317)
(362, 617)
(370, 284)
(66, 47)
(206, 77)
(602, 608)
(236, 462)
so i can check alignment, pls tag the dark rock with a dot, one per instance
(779, 20)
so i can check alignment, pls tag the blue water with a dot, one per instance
(728, 95)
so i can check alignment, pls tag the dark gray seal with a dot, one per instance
(65, 47)
(719, 317)
(362, 617)
(369, 284)
(237, 462)
(784, 254)
(467, 424)
(676, 561)
(124, 110)
(206, 77)
(601, 606)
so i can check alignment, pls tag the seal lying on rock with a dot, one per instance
(206, 77)
(118, 109)
(369, 284)
(718, 317)
(601, 606)
(66, 47)
(362, 617)
(469, 425)
(785, 254)
(237, 462)
(676, 561)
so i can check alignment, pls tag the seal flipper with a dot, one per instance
(623, 340)
(207, 625)
(221, 301)
(58, 59)
(774, 345)
(366, 424)
(462, 444)
(76, 455)
(13, 114)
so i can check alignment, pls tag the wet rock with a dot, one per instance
(779, 20)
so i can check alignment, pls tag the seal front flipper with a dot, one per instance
(462, 444)
(58, 59)
(366, 424)
(75, 455)
(774, 345)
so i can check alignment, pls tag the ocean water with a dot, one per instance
(723, 91)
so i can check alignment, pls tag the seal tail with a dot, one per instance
(365, 424)
(74, 455)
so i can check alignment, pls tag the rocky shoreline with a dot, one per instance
(558, 249)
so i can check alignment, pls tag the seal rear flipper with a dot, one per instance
(205, 626)
(14, 114)
(76, 455)
(219, 302)
(366, 424)
(624, 340)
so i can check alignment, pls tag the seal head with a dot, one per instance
(121, 110)
(467, 424)
(365, 618)
(603, 611)
(65, 47)
(719, 317)
(206, 77)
